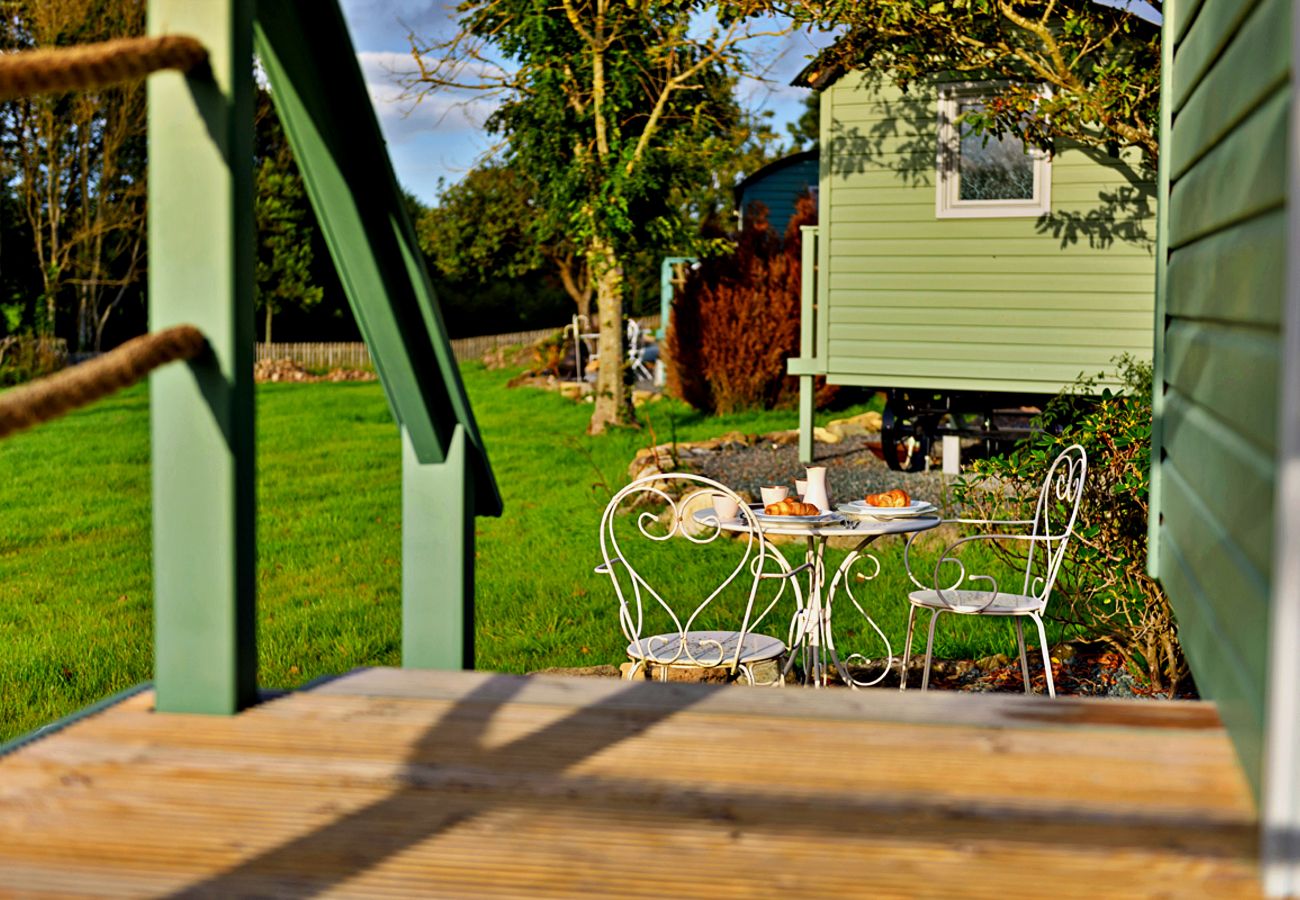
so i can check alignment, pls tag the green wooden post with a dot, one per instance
(807, 337)
(201, 272)
(666, 291)
(438, 558)
(321, 98)
(1156, 492)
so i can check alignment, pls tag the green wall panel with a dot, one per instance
(908, 299)
(1243, 176)
(1252, 68)
(1231, 370)
(1230, 586)
(1232, 475)
(1228, 119)
(861, 303)
(1215, 666)
(1200, 49)
(1236, 275)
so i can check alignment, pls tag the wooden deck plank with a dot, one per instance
(397, 783)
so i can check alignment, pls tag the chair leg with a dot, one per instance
(1024, 660)
(907, 647)
(1047, 658)
(637, 664)
(929, 651)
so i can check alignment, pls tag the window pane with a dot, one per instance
(991, 168)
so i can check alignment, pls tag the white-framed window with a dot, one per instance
(983, 176)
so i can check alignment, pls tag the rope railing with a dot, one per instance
(60, 393)
(88, 66)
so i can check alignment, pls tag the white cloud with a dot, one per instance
(386, 23)
(404, 114)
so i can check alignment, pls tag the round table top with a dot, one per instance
(849, 527)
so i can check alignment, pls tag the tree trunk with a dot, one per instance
(613, 394)
(573, 275)
(84, 315)
(267, 337)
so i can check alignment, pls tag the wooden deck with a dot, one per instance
(403, 783)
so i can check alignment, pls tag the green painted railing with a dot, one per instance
(201, 247)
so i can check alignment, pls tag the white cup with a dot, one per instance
(726, 508)
(774, 494)
(801, 487)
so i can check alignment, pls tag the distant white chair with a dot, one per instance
(662, 620)
(584, 345)
(1049, 533)
(636, 351)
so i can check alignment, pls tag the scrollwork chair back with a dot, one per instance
(949, 587)
(670, 609)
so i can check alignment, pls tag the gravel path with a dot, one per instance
(852, 470)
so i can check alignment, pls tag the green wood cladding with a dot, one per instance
(1228, 111)
(1225, 487)
(1014, 304)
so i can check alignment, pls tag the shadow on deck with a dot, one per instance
(410, 783)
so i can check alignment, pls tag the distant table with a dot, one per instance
(813, 623)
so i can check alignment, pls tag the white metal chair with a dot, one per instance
(661, 621)
(1050, 531)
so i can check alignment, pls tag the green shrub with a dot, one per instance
(1103, 587)
(735, 322)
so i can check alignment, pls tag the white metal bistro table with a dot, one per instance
(812, 626)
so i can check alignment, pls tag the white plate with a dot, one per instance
(797, 521)
(862, 508)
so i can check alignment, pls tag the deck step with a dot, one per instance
(408, 783)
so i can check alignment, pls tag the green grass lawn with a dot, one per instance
(75, 601)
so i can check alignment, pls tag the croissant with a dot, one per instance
(895, 499)
(790, 507)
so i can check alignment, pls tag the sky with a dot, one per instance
(442, 136)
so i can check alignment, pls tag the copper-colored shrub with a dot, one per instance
(736, 320)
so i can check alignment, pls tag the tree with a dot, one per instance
(76, 161)
(736, 319)
(805, 132)
(1099, 63)
(487, 226)
(285, 223)
(611, 107)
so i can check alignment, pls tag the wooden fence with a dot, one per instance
(354, 355)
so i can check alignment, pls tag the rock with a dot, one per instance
(641, 398)
(581, 671)
(654, 461)
(288, 370)
(871, 421)
(730, 440)
(781, 438)
(989, 663)
(824, 436)
(764, 673)
(843, 429)
(571, 390)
